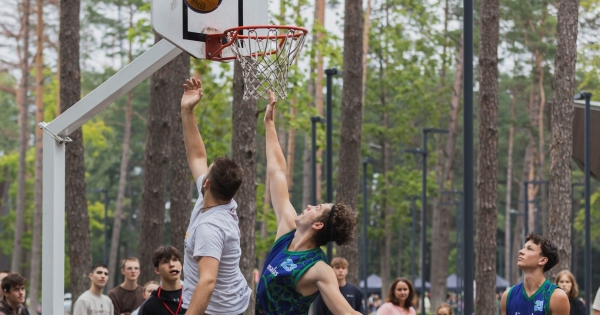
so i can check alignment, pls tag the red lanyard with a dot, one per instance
(165, 304)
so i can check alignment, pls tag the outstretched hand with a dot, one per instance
(270, 112)
(192, 93)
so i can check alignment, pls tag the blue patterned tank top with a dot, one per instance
(518, 303)
(276, 293)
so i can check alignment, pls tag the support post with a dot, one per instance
(329, 153)
(53, 228)
(587, 266)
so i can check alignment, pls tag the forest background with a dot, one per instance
(412, 80)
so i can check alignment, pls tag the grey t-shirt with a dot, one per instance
(90, 304)
(215, 233)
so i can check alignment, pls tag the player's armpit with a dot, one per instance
(559, 303)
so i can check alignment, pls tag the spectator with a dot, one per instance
(127, 296)
(352, 293)
(444, 309)
(150, 287)
(13, 288)
(3, 274)
(400, 299)
(92, 301)
(566, 281)
(168, 299)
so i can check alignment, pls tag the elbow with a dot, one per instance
(207, 282)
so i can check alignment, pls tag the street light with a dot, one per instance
(423, 152)
(329, 164)
(366, 161)
(314, 120)
(573, 201)
(588, 249)
(413, 238)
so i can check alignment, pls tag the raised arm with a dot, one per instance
(276, 170)
(324, 278)
(194, 146)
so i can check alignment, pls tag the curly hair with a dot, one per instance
(549, 250)
(338, 228)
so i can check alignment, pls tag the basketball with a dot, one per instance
(203, 6)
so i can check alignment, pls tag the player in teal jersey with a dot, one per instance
(296, 270)
(536, 295)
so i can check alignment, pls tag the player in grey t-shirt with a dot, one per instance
(214, 281)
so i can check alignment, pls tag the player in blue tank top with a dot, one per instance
(296, 269)
(536, 295)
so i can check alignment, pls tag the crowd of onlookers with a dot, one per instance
(128, 298)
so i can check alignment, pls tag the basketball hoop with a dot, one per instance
(265, 53)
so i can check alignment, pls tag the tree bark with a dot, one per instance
(350, 136)
(366, 33)
(180, 176)
(36, 245)
(487, 185)
(318, 38)
(442, 214)
(78, 221)
(560, 219)
(243, 147)
(165, 88)
(23, 102)
(509, 167)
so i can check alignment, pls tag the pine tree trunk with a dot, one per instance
(366, 33)
(485, 268)
(78, 221)
(306, 175)
(509, 169)
(243, 147)
(350, 135)
(442, 214)
(118, 216)
(165, 89)
(560, 219)
(36, 246)
(180, 175)
(387, 217)
(318, 37)
(23, 102)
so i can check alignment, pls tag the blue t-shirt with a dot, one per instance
(276, 293)
(518, 303)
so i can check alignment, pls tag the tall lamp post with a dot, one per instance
(329, 157)
(588, 248)
(573, 205)
(413, 238)
(314, 120)
(423, 152)
(459, 246)
(366, 161)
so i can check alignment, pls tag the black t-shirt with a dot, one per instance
(352, 294)
(577, 307)
(158, 306)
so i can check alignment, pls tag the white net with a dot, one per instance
(266, 59)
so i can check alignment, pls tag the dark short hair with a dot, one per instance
(96, 266)
(226, 177)
(391, 297)
(13, 280)
(549, 250)
(165, 253)
(5, 271)
(338, 228)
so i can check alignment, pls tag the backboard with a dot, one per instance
(181, 26)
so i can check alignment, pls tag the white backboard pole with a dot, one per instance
(53, 224)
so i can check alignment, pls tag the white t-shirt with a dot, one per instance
(215, 233)
(596, 304)
(90, 304)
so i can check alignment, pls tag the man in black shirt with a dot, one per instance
(168, 298)
(352, 293)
